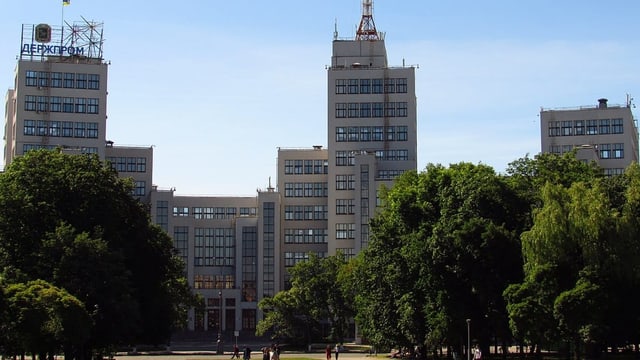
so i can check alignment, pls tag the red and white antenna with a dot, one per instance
(367, 29)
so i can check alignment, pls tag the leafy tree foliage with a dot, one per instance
(43, 318)
(580, 258)
(443, 249)
(317, 295)
(69, 220)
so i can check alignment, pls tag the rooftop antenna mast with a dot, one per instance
(367, 29)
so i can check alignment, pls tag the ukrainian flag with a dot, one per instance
(66, 2)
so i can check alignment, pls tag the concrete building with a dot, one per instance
(59, 101)
(237, 250)
(606, 134)
(372, 139)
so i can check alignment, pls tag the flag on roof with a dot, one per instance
(66, 2)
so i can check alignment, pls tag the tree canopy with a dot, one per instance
(71, 221)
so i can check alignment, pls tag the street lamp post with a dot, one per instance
(468, 339)
(219, 349)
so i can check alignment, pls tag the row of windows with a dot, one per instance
(61, 129)
(389, 174)
(345, 182)
(345, 231)
(371, 133)
(586, 127)
(214, 282)
(308, 212)
(209, 213)
(305, 236)
(292, 258)
(347, 158)
(62, 80)
(345, 206)
(81, 150)
(371, 86)
(61, 104)
(312, 189)
(214, 247)
(371, 110)
(128, 164)
(603, 151)
(307, 167)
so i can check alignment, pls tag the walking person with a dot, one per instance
(337, 350)
(236, 352)
(327, 352)
(477, 353)
(246, 355)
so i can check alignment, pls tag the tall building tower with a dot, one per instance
(60, 94)
(60, 101)
(606, 134)
(372, 121)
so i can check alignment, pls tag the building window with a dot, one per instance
(67, 129)
(353, 133)
(140, 188)
(162, 214)
(92, 107)
(389, 109)
(378, 109)
(141, 165)
(377, 86)
(566, 128)
(80, 130)
(54, 128)
(56, 79)
(342, 158)
(578, 127)
(41, 129)
(298, 167)
(402, 133)
(354, 110)
(401, 85)
(345, 231)
(592, 127)
(341, 110)
(389, 86)
(365, 110)
(92, 130)
(249, 263)
(604, 151)
(345, 207)
(31, 78)
(248, 319)
(69, 80)
(341, 86)
(94, 81)
(618, 151)
(181, 211)
(365, 86)
(56, 104)
(81, 105)
(402, 109)
(353, 86)
(29, 127)
(81, 81)
(308, 167)
(43, 79)
(181, 242)
(288, 167)
(604, 126)
(67, 104)
(554, 128)
(43, 103)
(616, 126)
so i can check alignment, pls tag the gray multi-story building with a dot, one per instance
(237, 250)
(372, 119)
(606, 134)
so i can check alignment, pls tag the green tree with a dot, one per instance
(70, 220)
(443, 249)
(317, 295)
(44, 320)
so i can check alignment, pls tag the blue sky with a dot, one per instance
(217, 86)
